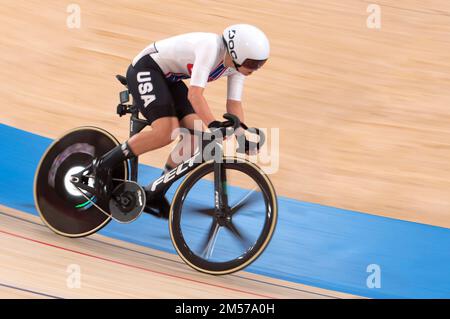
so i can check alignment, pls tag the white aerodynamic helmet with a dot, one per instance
(247, 45)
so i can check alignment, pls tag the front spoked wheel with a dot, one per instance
(225, 241)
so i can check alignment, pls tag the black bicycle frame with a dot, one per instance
(163, 183)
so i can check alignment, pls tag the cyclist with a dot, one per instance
(155, 82)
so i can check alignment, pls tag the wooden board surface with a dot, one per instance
(37, 263)
(363, 113)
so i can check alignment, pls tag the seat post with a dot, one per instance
(136, 125)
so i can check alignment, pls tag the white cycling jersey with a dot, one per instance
(198, 56)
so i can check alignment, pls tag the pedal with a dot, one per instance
(127, 202)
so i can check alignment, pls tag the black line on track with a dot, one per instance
(177, 262)
(30, 291)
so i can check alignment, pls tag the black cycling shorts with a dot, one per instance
(154, 96)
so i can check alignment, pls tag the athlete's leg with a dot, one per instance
(188, 143)
(157, 137)
(151, 95)
(187, 118)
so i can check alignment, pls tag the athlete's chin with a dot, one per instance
(246, 73)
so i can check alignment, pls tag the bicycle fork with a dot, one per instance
(220, 194)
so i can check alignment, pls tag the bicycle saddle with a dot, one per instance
(122, 79)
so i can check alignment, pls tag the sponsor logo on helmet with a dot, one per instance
(231, 35)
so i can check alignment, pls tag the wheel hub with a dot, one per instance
(223, 217)
(126, 201)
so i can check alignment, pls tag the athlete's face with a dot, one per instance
(242, 69)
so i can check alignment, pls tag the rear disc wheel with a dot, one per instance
(60, 204)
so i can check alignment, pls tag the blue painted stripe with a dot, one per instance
(313, 244)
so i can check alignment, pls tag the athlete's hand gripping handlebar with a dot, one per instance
(233, 121)
(229, 127)
(245, 146)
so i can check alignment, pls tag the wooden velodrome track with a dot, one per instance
(363, 117)
(114, 269)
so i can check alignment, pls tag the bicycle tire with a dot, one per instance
(176, 233)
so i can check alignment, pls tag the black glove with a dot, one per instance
(245, 127)
(214, 124)
(216, 129)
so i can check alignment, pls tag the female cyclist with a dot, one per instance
(155, 82)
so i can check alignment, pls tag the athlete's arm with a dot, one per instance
(201, 107)
(235, 107)
(235, 86)
(204, 62)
